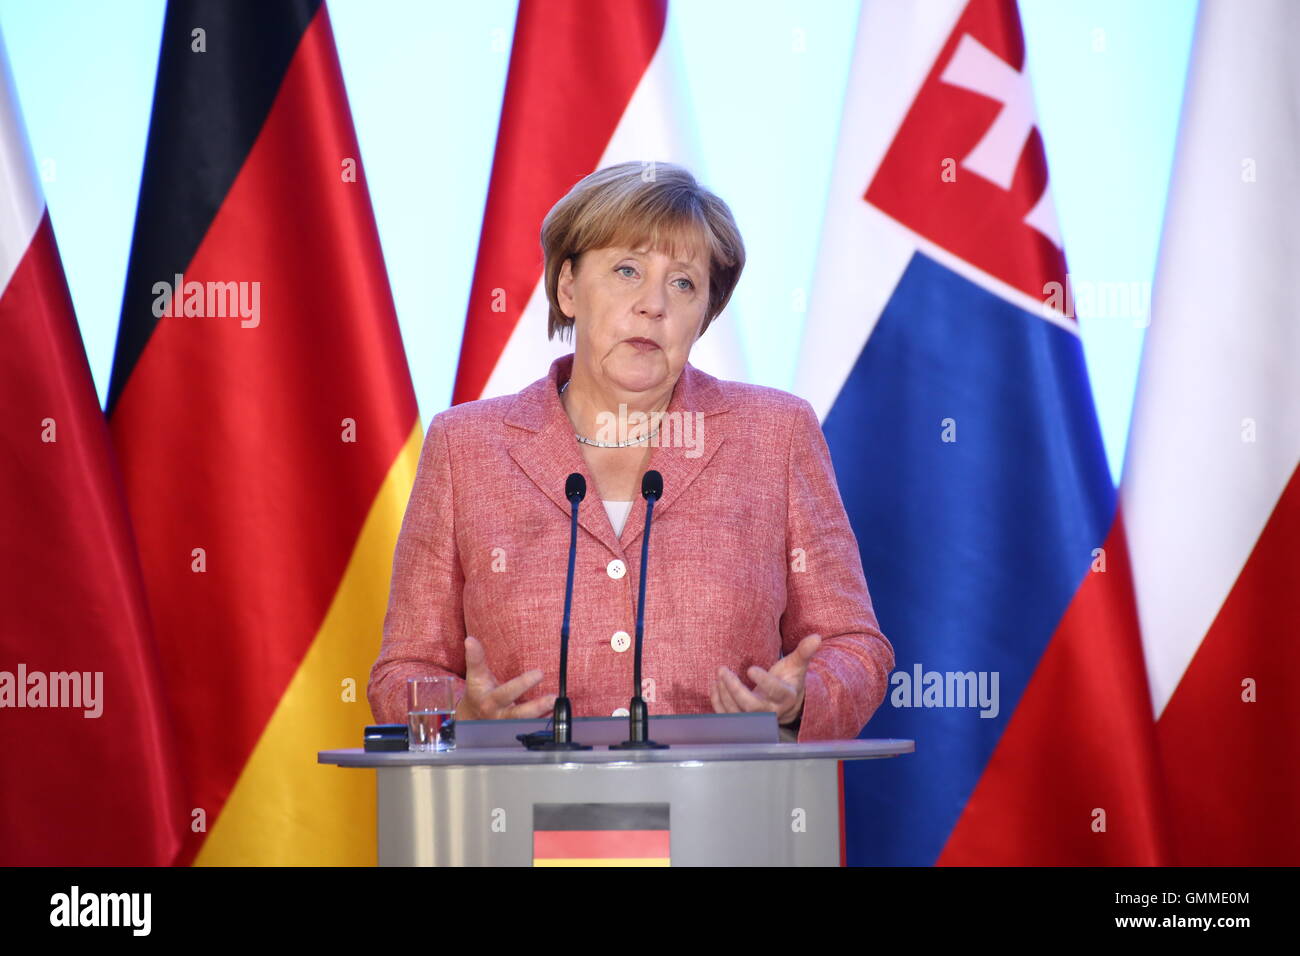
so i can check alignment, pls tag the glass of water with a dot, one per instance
(429, 707)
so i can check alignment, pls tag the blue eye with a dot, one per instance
(689, 284)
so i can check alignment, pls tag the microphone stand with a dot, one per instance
(575, 489)
(652, 488)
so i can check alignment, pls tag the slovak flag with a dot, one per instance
(943, 357)
(589, 85)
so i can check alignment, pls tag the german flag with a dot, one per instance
(601, 834)
(266, 425)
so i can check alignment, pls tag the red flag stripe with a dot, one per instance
(1082, 740)
(573, 69)
(1250, 815)
(600, 844)
(232, 437)
(88, 790)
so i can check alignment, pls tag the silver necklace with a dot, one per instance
(611, 444)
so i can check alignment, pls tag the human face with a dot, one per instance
(619, 294)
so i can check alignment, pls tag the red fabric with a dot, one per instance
(231, 438)
(600, 844)
(983, 222)
(79, 786)
(484, 542)
(573, 70)
(1082, 740)
(1230, 762)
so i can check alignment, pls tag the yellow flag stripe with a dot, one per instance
(285, 808)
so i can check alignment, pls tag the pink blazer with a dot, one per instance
(750, 551)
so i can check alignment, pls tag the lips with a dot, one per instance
(642, 342)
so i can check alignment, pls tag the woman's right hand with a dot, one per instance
(485, 699)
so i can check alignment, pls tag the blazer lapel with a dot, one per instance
(550, 454)
(690, 437)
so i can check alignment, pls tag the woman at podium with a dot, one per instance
(755, 594)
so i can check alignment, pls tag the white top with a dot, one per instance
(618, 512)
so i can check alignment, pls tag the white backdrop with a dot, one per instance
(425, 79)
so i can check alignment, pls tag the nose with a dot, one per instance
(652, 301)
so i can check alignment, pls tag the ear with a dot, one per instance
(564, 288)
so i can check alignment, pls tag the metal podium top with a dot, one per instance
(681, 753)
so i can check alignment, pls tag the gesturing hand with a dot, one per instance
(779, 690)
(485, 699)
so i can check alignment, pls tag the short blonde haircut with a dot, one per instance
(658, 205)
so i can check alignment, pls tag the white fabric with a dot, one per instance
(1221, 355)
(657, 123)
(21, 202)
(618, 512)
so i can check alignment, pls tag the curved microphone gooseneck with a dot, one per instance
(652, 489)
(575, 489)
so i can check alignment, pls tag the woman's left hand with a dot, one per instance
(779, 690)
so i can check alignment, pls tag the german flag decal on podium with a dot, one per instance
(267, 428)
(600, 834)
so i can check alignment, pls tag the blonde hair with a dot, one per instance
(635, 203)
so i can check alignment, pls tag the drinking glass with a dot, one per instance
(430, 705)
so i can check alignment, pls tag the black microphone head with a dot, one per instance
(575, 487)
(652, 485)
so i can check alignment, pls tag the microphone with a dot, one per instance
(575, 489)
(652, 489)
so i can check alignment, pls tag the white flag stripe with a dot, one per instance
(1222, 355)
(649, 129)
(21, 201)
(863, 252)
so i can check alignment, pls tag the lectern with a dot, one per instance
(701, 802)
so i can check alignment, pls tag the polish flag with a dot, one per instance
(589, 85)
(1210, 489)
(88, 776)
